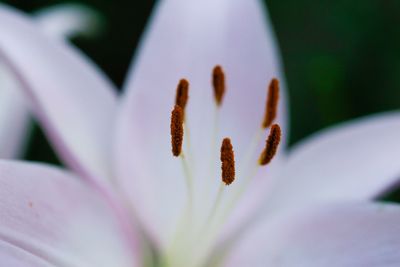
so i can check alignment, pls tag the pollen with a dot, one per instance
(182, 94)
(271, 106)
(177, 130)
(228, 162)
(218, 81)
(271, 146)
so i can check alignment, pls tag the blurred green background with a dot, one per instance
(342, 58)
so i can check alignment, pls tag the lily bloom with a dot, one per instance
(129, 202)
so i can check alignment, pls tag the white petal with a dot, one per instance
(74, 102)
(68, 20)
(187, 39)
(353, 161)
(59, 21)
(55, 216)
(14, 116)
(17, 257)
(333, 236)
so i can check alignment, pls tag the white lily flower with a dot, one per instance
(304, 208)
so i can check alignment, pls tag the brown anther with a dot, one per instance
(271, 108)
(271, 146)
(218, 81)
(182, 94)
(177, 130)
(228, 162)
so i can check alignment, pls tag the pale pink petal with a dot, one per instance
(73, 100)
(53, 215)
(353, 161)
(14, 116)
(68, 20)
(61, 21)
(187, 39)
(13, 256)
(332, 236)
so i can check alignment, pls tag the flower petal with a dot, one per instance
(353, 161)
(60, 21)
(68, 20)
(56, 217)
(74, 102)
(333, 236)
(187, 39)
(16, 257)
(14, 116)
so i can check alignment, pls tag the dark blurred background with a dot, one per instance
(342, 58)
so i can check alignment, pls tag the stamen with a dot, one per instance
(272, 144)
(182, 94)
(271, 107)
(228, 162)
(218, 80)
(177, 130)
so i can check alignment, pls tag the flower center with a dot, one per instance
(191, 246)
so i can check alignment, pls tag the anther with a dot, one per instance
(228, 162)
(271, 107)
(182, 94)
(271, 146)
(177, 130)
(218, 80)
